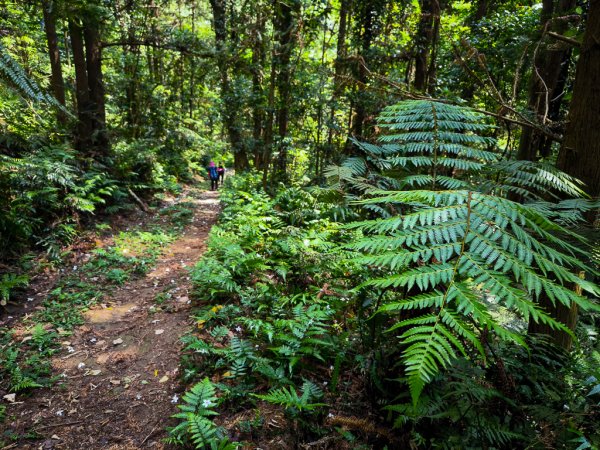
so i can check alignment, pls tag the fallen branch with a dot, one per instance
(138, 200)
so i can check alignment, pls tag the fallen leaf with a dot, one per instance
(164, 379)
(55, 437)
(156, 372)
(115, 382)
(10, 398)
(117, 341)
(159, 331)
(95, 372)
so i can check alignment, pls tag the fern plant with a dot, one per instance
(196, 425)
(434, 145)
(289, 398)
(8, 282)
(446, 249)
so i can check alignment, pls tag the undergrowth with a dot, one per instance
(404, 326)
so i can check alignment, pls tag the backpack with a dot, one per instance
(212, 171)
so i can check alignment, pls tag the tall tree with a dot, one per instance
(548, 79)
(85, 128)
(56, 75)
(230, 105)
(579, 154)
(426, 41)
(93, 53)
(284, 23)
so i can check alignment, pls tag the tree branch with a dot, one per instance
(568, 40)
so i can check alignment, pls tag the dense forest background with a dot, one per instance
(431, 167)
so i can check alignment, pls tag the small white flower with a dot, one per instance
(138, 396)
(324, 383)
(331, 367)
(70, 349)
(93, 340)
(175, 399)
(29, 299)
(238, 329)
(327, 307)
(207, 403)
(60, 412)
(74, 268)
(81, 365)
(330, 415)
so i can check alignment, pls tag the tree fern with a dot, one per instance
(454, 247)
(434, 145)
(450, 246)
(13, 74)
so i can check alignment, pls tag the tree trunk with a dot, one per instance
(425, 45)
(580, 151)
(285, 31)
(96, 87)
(367, 11)
(579, 155)
(258, 109)
(339, 70)
(551, 65)
(230, 102)
(56, 76)
(83, 137)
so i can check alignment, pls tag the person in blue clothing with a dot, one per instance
(213, 174)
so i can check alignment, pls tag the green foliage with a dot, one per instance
(45, 192)
(446, 251)
(8, 283)
(289, 398)
(195, 425)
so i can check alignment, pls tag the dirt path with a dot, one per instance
(121, 372)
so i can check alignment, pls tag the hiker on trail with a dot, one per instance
(221, 171)
(213, 174)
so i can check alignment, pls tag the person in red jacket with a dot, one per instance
(221, 171)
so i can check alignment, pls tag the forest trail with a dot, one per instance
(121, 367)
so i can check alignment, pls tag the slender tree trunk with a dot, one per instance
(96, 87)
(258, 109)
(229, 100)
(367, 11)
(547, 84)
(56, 76)
(268, 148)
(83, 138)
(579, 154)
(285, 29)
(339, 71)
(426, 43)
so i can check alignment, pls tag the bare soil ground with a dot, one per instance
(120, 376)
